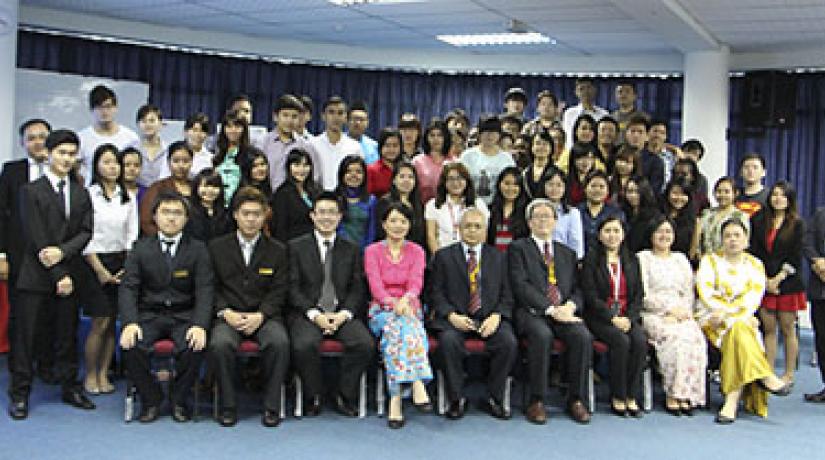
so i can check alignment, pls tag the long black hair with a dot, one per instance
(97, 178)
(518, 223)
(341, 189)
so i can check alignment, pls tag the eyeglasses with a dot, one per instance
(327, 212)
(456, 179)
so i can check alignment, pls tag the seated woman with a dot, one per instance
(667, 316)
(404, 189)
(395, 272)
(358, 224)
(596, 209)
(292, 201)
(208, 217)
(507, 221)
(613, 296)
(730, 288)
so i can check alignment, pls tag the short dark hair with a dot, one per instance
(132, 151)
(306, 101)
(198, 118)
(178, 145)
(288, 102)
(627, 83)
(386, 134)
(400, 207)
(334, 100)
(240, 97)
(753, 156)
(733, 220)
(99, 95)
(489, 123)
(606, 119)
(249, 194)
(61, 136)
(547, 93)
(658, 122)
(694, 144)
(146, 109)
(639, 120)
(170, 196)
(584, 79)
(512, 118)
(357, 105)
(457, 113)
(328, 195)
(34, 121)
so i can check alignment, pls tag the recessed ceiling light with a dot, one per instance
(527, 38)
(371, 2)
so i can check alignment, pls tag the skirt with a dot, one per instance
(100, 301)
(795, 301)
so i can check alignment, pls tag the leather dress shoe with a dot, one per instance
(271, 418)
(456, 409)
(344, 408)
(536, 413)
(815, 397)
(180, 413)
(497, 409)
(228, 417)
(578, 412)
(313, 406)
(635, 412)
(77, 399)
(149, 414)
(19, 409)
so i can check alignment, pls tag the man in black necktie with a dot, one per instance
(327, 296)
(543, 277)
(471, 297)
(57, 224)
(166, 292)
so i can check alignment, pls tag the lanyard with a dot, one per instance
(617, 278)
(453, 222)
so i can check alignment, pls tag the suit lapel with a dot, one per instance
(460, 262)
(236, 253)
(257, 251)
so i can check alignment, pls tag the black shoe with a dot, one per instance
(313, 406)
(677, 412)
(271, 418)
(180, 413)
(395, 424)
(344, 408)
(19, 409)
(77, 399)
(619, 412)
(228, 417)
(784, 390)
(635, 413)
(456, 409)
(815, 397)
(688, 412)
(496, 409)
(149, 414)
(722, 420)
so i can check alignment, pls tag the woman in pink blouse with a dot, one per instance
(436, 146)
(395, 271)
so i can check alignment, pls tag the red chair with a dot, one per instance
(600, 348)
(331, 348)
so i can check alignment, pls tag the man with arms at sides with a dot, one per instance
(515, 101)
(251, 279)
(328, 302)
(332, 146)
(358, 120)
(652, 165)
(547, 114)
(57, 223)
(104, 129)
(284, 138)
(586, 93)
(626, 100)
(754, 195)
(166, 292)
(471, 297)
(543, 275)
(657, 145)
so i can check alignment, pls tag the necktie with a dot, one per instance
(553, 294)
(41, 169)
(327, 300)
(472, 273)
(61, 195)
(167, 252)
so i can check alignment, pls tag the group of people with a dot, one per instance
(576, 227)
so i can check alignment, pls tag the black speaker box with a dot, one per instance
(769, 99)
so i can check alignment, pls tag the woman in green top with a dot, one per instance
(233, 140)
(707, 238)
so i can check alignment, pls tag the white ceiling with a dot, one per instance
(580, 27)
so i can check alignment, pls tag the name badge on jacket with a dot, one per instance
(180, 274)
(265, 271)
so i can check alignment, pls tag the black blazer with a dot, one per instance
(451, 284)
(528, 275)
(201, 226)
(787, 248)
(290, 214)
(596, 286)
(149, 286)
(45, 224)
(306, 274)
(261, 286)
(14, 176)
(814, 248)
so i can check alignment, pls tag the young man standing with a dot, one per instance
(332, 146)
(104, 130)
(586, 94)
(657, 145)
(358, 120)
(754, 195)
(283, 139)
(547, 114)
(515, 101)
(305, 118)
(693, 149)
(626, 100)
(652, 165)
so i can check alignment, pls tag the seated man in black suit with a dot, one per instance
(328, 302)
(251, 276)
(471, 297)
(543, 275)
(57, 224)
(166, 293)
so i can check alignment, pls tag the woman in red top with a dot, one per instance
(613, 295)
(379, 174)
(777, 234)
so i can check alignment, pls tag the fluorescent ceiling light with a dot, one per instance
(371, 2)
(527, 38)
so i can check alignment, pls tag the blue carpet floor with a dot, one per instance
(56, 431)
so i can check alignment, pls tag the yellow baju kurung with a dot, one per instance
(735, 291)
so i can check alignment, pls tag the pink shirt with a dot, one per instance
(429, 172)
(390, 279)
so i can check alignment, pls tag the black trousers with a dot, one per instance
(138, 359)
(501, 346)
(30, 308)
(273, 343)
(818, 320)
(627, 354)
(359, 351)
(540, 333)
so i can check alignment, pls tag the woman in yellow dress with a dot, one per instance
(730, 288)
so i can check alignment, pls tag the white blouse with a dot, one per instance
(116, 224)
(447, 218)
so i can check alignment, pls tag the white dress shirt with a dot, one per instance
(55, 181)
(247, 246)
(115, 224)
(331, 155)
(573, 113)
(175, 242)
(36, 170)
(322, 249)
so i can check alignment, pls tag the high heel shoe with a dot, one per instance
(724, 420)
(618, 412)
(395, 424)
(784, 390)
(424, 407)
(674, 411)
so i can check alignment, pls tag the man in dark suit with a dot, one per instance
(57, 224)
(328, 302)
(471, 297)
(251, 278)
(16, 173)
(166, 292)
(814, 250)
(548, 302)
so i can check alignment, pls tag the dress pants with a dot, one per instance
(627, 353)
(501, 346)
(273, 343)
(359, 351)
(540, 333)
(818, 320)
(156, 326)
(30, 307)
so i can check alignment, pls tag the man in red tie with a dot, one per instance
(472, 299)
(548, 302)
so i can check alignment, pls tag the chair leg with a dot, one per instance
(380, 397)
(283, 402)
(647, 389)
(215, 399)
(508, 388)
(299, 397)
(441, 396)
(129, 406)
(591, 391)
(362, 396)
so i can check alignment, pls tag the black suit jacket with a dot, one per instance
(528, 275)
(306, 274)
(787, 248)
(260, 286)
(451, 284)
(814, 248)
(596, 286)
(654, 169)
(290, 214)
(14, 176)
(45, 224)
(149, 286)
